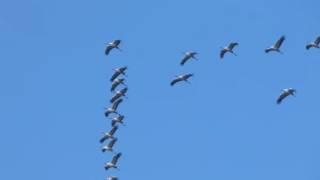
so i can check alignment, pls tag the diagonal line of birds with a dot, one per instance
(118, 79)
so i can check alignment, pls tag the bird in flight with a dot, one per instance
(285, 93)
(113, 162)
(314, 44)
(187, 56)
(109, 146)
(229, 49)
(117, 72)
(179, 78)
(113, 44)
(276, 46)
(113, 108)
(109, 134)
(119, 94)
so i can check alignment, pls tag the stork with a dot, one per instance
(276, 46)
(109, 146)
(179, 78)
(187, 56)
(118, 71)
(113, 108)
(109, 135)
(314, 44)
(119, 94)
(116, 83)
(285, 93)
(119, 119)
(112, 178)
(113, 44)
(229, 49)
(113, 163)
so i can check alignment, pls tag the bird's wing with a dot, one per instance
(184, 60)
(317, 41)
(116, 104)
(103, 138)
(112, 142)
(114, 85)
(108, 49)
(113, 130)
(113, 122)
(114, 76)
(267, 50)
(308, 46)
(116, 158)
(175, 81)
(222, 52)
(232, 45)
(124, 90)
(116, 42)
(281, 97)
(115, 97)
(279, 42)
(187, 76)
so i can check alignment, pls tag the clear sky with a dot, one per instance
(225, 125)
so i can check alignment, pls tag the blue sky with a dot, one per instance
(224, 125)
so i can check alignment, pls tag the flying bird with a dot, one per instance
(119, 119)
(118, 71)
(229, 49)
(116, 83)
(119, 94)
(276, 46)
(179, 78)
(113, 163)
(113, 108)
(285, 93)
(314, 44)
(113, 44)
(112, 178)
(187, 56)
(109, 135)
(109, 146)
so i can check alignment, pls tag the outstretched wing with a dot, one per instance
(175, 81)
(115, 97)
(112, 142)
(115, 158)
(113, 130)
(114, 76)
(222, 52)
(116, 104)
(116, 42)
(309, 46)
(317, 41)
(279, 42)
(232, 45)
(108, 49)
(281, 97)
(184, 60)
(114, 85)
